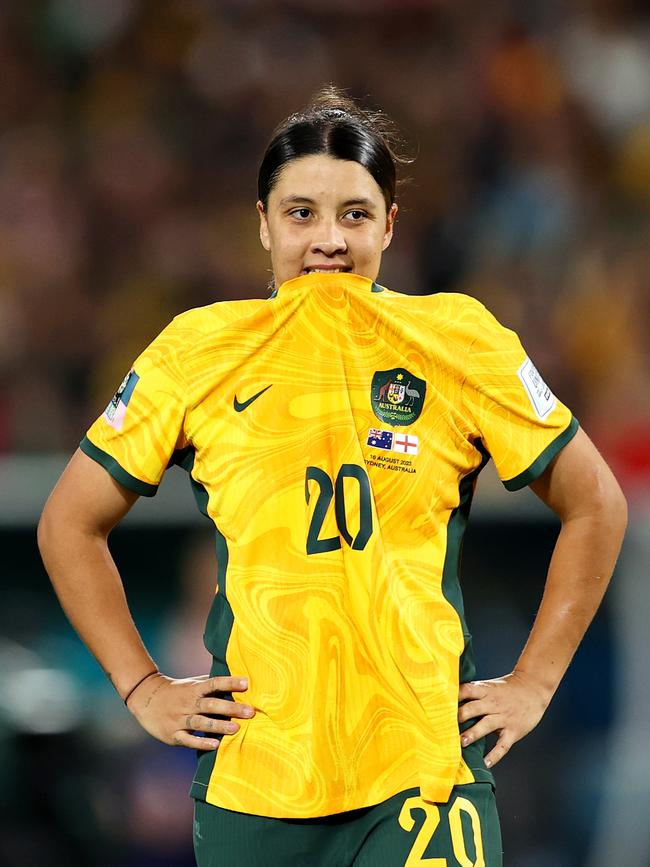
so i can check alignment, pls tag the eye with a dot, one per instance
(356, 216)
(301, 213)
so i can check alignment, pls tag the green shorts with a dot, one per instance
(403, 831)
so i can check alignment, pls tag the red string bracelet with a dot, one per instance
(142, 680)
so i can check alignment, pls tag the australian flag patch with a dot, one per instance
(380, 439)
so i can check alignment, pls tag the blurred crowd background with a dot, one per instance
(130, 136)
(132, 132)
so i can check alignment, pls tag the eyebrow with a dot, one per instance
(295, 200)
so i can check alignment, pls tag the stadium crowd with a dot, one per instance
(130, 134)
(128, 150)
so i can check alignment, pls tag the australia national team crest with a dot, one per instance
(397, 396)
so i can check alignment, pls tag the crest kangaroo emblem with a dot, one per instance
(397, 397)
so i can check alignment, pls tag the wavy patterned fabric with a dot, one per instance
(336, 431)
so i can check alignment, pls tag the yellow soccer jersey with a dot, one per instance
(333, 434)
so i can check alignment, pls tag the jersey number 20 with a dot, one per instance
(329, 490)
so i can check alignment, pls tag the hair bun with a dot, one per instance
(333, 123)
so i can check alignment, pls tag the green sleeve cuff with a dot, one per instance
(144, 489)
(539, 464)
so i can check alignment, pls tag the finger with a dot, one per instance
(194, 722)
(194, 742)
(500, 749)
(224, 684)
(223, 707)
(474, 709)
(487, 724)
(473, 689)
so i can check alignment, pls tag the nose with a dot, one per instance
(329, 239)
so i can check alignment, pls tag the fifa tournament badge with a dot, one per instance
(116, 410)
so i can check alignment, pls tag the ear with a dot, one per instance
(390, 221)
(264, 227)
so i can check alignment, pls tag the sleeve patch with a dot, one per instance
(540, 395)
(116, 410)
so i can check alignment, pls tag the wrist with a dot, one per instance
(137, 684)
(545, 689)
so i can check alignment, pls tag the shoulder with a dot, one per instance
(454, 315)
(441, 305)
(191, 331)
(212, 317)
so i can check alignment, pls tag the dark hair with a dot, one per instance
(335, 125)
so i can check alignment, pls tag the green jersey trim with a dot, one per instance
(219, 623)
(144, 489)
(541, 463)
(215, 637)
(451, 589)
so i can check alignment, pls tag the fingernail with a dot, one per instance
(213, 744)
(464, 741)
(232, 727)
(488, 763)
(248, 711)
(243, 683)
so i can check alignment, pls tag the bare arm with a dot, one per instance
(83, 508)
(581, 490)
(73, 534)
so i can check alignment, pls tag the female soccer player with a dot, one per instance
(333, 434)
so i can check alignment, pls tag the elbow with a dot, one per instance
(45, 531)
(614, 504)
(51, 530)
(609, 505)
(601, 501)
(618, 508)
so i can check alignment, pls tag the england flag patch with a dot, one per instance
(406, 444)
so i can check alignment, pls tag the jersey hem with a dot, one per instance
(199, 791)
(144, 489)
(472, 756)
(541, 463)
(481, 775)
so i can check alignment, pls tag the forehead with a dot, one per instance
(322, 177)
